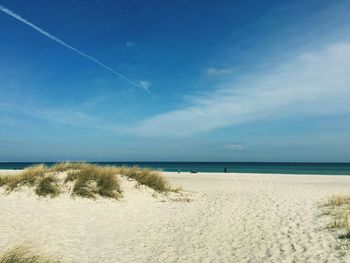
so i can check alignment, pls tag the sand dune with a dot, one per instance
(231, 218)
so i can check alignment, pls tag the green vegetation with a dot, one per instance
(48, 186)
(24, 254)
(29, 176)
(88, 180)
(145, 176)
(92, 180)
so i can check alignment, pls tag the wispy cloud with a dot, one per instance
(314, 83)
(52, 37)
(218, 71)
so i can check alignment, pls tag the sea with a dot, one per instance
(214, 167)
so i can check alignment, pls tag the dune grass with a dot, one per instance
(338, 208)
(92, 180)
(25, 254)
(145, 176)
(89, 180)
(66, 166)
(48, 186)
(89, 172)
(29, 176)
(338, 200)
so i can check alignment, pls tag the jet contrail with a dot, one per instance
(96, 61)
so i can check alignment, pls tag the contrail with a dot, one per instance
(96, 61)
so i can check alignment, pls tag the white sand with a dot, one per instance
(232, 218)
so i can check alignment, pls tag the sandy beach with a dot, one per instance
(222, 218)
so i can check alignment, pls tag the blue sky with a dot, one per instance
(227, 80)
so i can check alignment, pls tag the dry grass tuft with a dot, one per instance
(48, 186)
(145, 176)
(338, 200)
(66, 166)
(338, 208)
(5, 179)
(341, 220)
(92, 180)
(24, 254)
(29, 176)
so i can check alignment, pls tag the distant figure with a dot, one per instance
(225, 170)
(193, 172)
(178, 171)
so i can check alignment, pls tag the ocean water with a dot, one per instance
(231, 167)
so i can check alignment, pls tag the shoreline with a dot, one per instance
(250, 174)
(198, 174)
(303, 168)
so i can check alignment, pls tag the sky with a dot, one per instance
(175, 80)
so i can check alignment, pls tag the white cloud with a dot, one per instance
(233, 147)
(218, 71)
(315, 83)
(129, 44)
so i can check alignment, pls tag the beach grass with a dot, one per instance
(338, 208)
(29, 176)
(25, 254)
(87, 180)
(66, 166)
(48, 186)
(91, 180)
(145, 176)
(338, 200)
